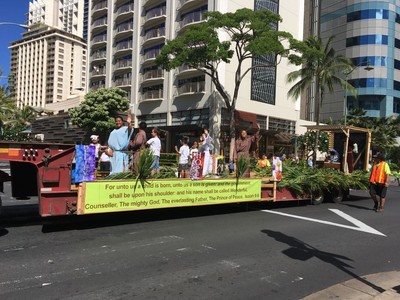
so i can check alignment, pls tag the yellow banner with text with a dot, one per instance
(114, 196)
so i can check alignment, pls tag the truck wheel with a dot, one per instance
(317, 198)
(338, 196)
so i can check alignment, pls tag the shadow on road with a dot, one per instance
(303, 251)
(3, 231)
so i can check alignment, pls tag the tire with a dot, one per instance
(337, 196)
(317, 198)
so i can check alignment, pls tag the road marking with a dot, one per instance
(359, 226)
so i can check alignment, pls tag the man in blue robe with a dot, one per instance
(118, 142)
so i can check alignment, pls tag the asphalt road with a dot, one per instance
(221, 252)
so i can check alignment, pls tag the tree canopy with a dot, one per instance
(320, 64)
(96, 113)
(384, 130)
(222, 38)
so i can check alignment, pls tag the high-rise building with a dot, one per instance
(368, 33)
(125, 36)
(48, 65)
(67, 15)
(49, 62)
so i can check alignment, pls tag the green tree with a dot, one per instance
(7, 105)
(320, 64)
(247, 34)
(96, 113)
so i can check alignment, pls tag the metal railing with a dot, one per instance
(124, 45)
(125, 8)
(156, 12)
(124, 27)
(156, 32)
(158, 73)
(191, 87)
(155, 94)
(123, 64)
(100, 22)
(100, 5)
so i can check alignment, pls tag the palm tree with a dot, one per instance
(320, 65)
(7, 105)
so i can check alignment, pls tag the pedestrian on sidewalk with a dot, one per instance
(379, 181)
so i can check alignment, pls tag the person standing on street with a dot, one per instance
(379, 181)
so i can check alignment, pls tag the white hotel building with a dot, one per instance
(49, 62)
(124, 38)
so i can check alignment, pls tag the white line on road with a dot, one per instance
(359, 226)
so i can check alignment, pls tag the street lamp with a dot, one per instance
(15, 24)
(368, 68)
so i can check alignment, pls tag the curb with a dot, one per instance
(382, 286)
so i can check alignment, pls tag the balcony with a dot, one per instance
(153, 35)
(188, 4)
(99, 55)
(125, 9)
(99, 39)
(121, 82)
(186, 70)
(152, 95)
(191, 87)
(99, 8)
(155, 15)
(124, 46)
(124, 29)
(151, 55)
(152, 75)
(99, 24)
(191, 18)
(98, 71)
(123, 64)
(97, 85)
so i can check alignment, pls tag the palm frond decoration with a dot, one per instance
(242, 164)
(143, 168)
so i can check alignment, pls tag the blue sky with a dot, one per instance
(11, 11)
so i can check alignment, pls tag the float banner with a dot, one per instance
(114, 196)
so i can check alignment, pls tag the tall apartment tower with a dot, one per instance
(49, 62)
(367, 32)
(125, 36)
(67, 15)
(48, 65)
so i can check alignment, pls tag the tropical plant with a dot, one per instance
(143, 168)
(306, 142)
(242, 35)
(96, 113)
(310, 181)
(320, 65)
(384, 130)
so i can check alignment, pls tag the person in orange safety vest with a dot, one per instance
(379, 181)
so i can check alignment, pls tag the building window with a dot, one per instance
(370, 61)
(263, 79)
(378, 14)
(396, 105)
(154, 120)
(370, 39)
(191, 117)
(281, 125)
(368, 82)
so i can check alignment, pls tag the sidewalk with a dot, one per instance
(380, 286)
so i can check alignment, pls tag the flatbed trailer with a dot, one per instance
(44, 170)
